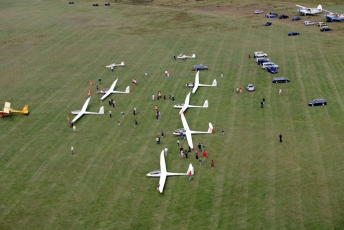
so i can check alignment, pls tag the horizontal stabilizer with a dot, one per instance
(214, 83)
(194, 56)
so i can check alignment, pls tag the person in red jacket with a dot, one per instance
(204, 155)
(212, 164)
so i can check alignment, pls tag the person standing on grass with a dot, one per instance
(212, 164)
(162, 134)
(249, 55)
(99, 80)
(157, 140)
(279, 91)
(72, 149)
(190, 175)
(261, 104)
(199, 146)
(172, 97)
(68, 119)
(196, 154)
(153, 96)
(204, 155)
(164, 96)
(200, 161)
(118, 123)
(280, 137)
(223, 132)
(178, 142)
(135, 121)
(114, 103)
(166, 151)
(202, 146)
(74, 128)
(110, 113)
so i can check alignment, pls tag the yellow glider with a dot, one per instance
(7, 109)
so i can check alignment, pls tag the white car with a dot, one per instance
(250, 87)
(265, 65)
(308, 23)
(258, 11)
(260, 54)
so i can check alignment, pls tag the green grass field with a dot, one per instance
(49, 52)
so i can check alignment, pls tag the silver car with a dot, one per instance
(250, 87)
(308, 23)
(258, 11)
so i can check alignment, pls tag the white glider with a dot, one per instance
(83, 111)
(162, 173)
(187, 105)
(197, 84)
(183, 56)
(111, 66)
(187, 132)
(111, 90)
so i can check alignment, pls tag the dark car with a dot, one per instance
(272, 69)
(95, 4)
(318, 101)
(325, 28)
(200, 67)
(268, 23)
(260, 61)
(283, 16)
(280, 80)
(293, 33)
(296, 18)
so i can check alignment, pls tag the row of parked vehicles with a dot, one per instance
(322, 25)
(261, 59)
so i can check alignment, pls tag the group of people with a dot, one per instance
(159, 96)
(112, 102)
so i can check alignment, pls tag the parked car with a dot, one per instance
(271, 15)
(325, 28)
(283, 16)
(260, 61)
(318, 101)
(95, 4)
(293, 33)
(250, 87)
(321, 24)
(258, 11)
(259, 54)
(271, 69)
(296, 18)
(200, 67)
(280, 80)
(265, 65)
(308, 23)
(268, 23)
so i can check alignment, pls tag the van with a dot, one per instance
(200, 67)
(262, 60)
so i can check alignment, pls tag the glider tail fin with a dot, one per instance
(211, 128)
(101, 110)
(191, 169)
(214, 83)
(25, 109)
(127, 90)
(122, 63)
(194, 56)
(206, 104)
(319, 8)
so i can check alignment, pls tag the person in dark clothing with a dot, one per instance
(280, 137)
(189, 150)
(263, 100)
(261, 104)
(174, 57)
(196, 154)
(135, 121)
(200, 146)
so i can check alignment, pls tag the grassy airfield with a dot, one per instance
(49, 52)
